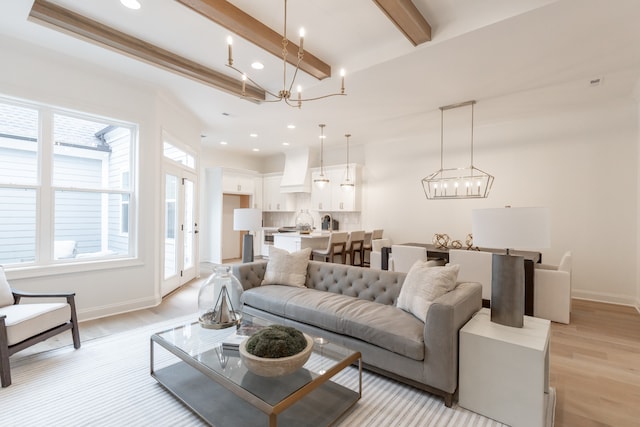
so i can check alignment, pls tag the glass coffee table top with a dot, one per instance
(205, 361)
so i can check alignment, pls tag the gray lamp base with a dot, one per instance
(507, 290)
(247, 248)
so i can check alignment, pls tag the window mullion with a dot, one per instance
(45, 192)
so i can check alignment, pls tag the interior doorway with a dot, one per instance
(232, 240)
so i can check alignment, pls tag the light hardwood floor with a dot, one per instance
(595, 360)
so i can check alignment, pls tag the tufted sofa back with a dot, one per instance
(369, 284)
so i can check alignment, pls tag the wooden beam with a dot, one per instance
(238, 22)
(63, 19)
(408, 19)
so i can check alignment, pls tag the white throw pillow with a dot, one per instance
(286, 268)
(423, 285)
(6, 297)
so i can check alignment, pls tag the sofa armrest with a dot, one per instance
(250, 274)
(446, 316)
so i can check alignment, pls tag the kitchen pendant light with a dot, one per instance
(347, 184)
(322, 180)
(457, 183)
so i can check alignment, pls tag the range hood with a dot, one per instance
(296, 177)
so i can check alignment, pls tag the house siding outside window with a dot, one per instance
(61, 191)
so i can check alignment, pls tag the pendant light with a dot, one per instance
(347, 184)
(322, 180)
(466, 182)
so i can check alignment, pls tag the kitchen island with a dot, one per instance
(294, 242)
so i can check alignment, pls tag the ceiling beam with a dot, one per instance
(68, 21)
(238, 22)
(407, 18)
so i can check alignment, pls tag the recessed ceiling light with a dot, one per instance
(285, 143)
(291, 126)
(257, 65)
(223, 142)
(253, 135)
(256, 149)
(131, 4)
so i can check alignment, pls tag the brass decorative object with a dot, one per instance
(456, 244)
(441, 241)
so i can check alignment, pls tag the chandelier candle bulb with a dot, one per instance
(230, 48)
(342, 73)
(301, 47)
(244, 83)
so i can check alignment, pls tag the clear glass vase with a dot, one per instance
(304, 221)
(220, 300)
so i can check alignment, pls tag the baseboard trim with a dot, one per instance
(605, 297)
(93, 313)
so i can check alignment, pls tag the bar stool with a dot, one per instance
(336, 246)
(355, 244)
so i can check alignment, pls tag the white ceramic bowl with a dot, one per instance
(275, 367)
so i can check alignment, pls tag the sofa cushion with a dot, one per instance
(423, 285)
(286, 268)
(6, 296)
(382, 325)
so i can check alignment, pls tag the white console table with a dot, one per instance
(504, 371)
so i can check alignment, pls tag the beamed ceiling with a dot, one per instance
(403, 58)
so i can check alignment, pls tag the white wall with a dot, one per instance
(38, 75)
(571, 148)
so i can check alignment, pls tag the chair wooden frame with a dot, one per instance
(8, 350)
(356, 246)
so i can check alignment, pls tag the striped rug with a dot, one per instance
(107, 383)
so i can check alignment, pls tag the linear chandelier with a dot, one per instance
(285, 93)
(457, 183)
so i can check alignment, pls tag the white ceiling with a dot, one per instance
(480, 49)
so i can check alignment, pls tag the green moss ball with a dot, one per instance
(276, 341)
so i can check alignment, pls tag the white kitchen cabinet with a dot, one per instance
(272, 199)
(237, 182)
(333, 198)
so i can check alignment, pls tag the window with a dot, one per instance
(78, 175)
(177, 155)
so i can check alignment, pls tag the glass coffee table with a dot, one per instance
(190, 362)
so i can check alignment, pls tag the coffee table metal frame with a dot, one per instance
(220, 400)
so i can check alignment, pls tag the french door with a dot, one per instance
(180, 228)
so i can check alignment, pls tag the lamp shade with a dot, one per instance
(511, 228)
(247, 219)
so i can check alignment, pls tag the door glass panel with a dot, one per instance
(171, 226)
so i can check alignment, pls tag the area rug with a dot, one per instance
(107, 383)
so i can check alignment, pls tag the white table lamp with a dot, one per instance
(247, 220)
(510, 228)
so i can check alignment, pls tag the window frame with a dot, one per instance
(46, 192)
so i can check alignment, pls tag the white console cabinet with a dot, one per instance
(504, 371)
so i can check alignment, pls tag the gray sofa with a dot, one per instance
(355, 307)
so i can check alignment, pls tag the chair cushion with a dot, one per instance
(26, 320)
(423, 285)
(286, 268)
(6, 296)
